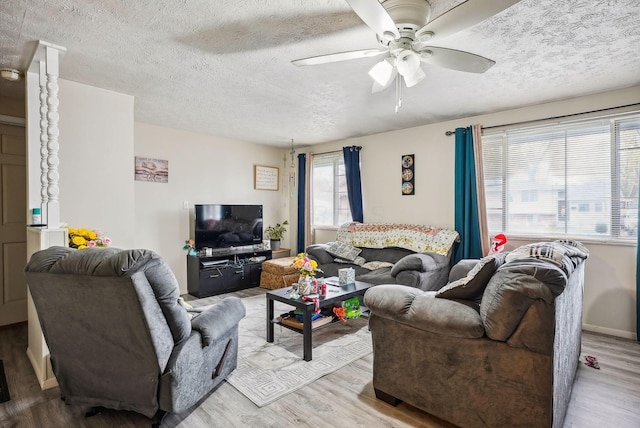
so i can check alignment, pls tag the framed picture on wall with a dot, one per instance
(150, 169)
(266, 177)
(408, 174)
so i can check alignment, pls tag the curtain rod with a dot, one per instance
(334, 151)
(449, 133)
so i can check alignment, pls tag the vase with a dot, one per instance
(304, 285)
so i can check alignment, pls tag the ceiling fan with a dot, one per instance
(406, 33)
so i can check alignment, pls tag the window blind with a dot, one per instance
(570, 179)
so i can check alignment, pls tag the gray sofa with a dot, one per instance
(389, 253)
(119, 337)
(497, 347)
(426, 271)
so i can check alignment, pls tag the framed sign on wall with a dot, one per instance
(266, 177)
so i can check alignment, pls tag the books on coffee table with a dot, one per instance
(291, 321)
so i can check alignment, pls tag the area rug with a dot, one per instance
(269, 371)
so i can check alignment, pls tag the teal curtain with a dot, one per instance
(467, 221)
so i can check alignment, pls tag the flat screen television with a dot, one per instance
(225, 226)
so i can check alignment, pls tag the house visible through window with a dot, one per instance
(572, 179)
(329, 199)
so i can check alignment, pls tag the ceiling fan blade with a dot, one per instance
(341, 56)
(460, 17)
(375, 16)
(455, 60)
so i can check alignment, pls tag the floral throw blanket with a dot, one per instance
(413, 237)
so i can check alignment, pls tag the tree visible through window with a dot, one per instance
(329, 199)
(573, 179)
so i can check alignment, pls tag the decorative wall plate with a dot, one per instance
(407, 161)
(407, 174)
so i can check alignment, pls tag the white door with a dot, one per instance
(13, 230)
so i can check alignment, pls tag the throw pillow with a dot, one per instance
(376, 265)
(360, 261)
(343, 251)
(472, 286)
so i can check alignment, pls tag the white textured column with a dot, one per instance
(42, 155)
(44, 140)
(53, 177)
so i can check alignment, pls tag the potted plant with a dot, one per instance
(275, 234)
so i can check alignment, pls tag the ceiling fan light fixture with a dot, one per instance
(383, 72)
(414, 78)
(408, 63)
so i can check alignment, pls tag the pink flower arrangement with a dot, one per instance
(305, 265)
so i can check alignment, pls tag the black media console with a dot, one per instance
(225, 271)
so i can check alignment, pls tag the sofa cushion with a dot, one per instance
(422, 311)
(373, 265)
(167, 291)
(421, 262)
(360, 261)
(378, 276)
(472, 286)
(462, 269)
(389, 254)
(513, 289)
(407, 263)
(132, 263)
(343, 251)
(319, 253)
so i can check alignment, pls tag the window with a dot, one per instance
(573, 179)
(329, 199)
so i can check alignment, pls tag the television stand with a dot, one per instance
(225, 271)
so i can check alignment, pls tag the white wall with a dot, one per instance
(98, 142)
(97, 186)
(610, 272)
(96, 161)
(202, 169)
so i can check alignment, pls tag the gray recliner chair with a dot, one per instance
(119, 337)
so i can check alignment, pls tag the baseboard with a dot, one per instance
(52, 382)
(45, 383)
(609, 331)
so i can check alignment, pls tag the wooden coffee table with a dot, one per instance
(335, 294)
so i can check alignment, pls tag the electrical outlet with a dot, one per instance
(185, 205)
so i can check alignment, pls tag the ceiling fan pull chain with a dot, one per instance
(398, 93)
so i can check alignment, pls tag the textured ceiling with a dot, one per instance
(223, 67)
